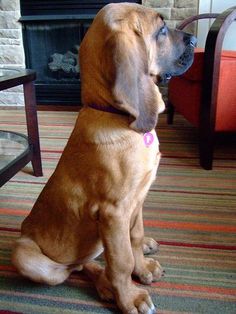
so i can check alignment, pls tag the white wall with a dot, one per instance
(216, 6)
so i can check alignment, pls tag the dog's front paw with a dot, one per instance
(150, 246)
(136, 301)
(149, 272)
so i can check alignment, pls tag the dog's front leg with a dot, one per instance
(147, 269)
(114, 227)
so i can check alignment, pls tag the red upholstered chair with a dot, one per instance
(206, 94)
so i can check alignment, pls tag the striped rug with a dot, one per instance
(189, 211)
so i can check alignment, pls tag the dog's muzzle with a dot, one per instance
(183, 63)
(186, 59)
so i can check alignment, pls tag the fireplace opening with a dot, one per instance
(51, 49)
(52, 33)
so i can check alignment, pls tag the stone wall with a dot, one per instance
(173, 11)
(11, 49)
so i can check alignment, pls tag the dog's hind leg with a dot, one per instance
(30, 261)
(97, 274)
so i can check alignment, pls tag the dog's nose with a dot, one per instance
(193, 41)
(190, 40)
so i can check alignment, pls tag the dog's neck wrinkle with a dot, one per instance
(105, 128)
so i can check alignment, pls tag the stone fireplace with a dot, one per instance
(52, 31)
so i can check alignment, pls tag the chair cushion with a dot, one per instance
(185, 91)
(185, 95)
(226, 98)
(195, 73)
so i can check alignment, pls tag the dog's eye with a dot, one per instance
(163, 31)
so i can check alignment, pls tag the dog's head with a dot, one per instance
(175, 52)
(122, 56)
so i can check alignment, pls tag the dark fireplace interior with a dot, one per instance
(52, 32)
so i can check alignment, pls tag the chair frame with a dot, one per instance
(210, 83)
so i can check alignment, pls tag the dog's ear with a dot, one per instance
(133, 90)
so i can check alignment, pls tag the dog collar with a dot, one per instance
(147, 137)
(109, 109)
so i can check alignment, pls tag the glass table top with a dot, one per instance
(7, 72)
(12, 147)
(13, 77)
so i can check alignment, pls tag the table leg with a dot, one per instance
(32, 127)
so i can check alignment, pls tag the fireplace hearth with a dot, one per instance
(52, 33)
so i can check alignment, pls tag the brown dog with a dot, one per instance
(93, 201)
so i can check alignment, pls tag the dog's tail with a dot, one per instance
(30, 261)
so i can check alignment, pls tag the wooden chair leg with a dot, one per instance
(170, 112)
(32, 127)
(206, 150)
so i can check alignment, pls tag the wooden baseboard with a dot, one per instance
(12, 107)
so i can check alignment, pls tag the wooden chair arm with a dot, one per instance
(210, 83)
(194, 18)
(212, 55)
